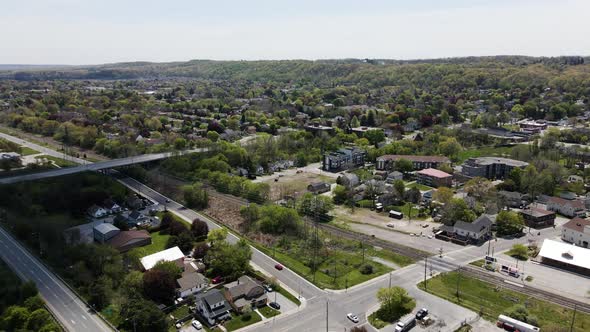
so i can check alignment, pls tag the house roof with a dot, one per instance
(125, 237)
(498, 160)
(212, 297)
(560, 201)
(167, 255)
(566, 253)
(318, 185)
(190, 280)
(240, 287)
(476, 226)
(105, 228)
(577, 224)
(432, 159)
(434, 173)
(537, 212)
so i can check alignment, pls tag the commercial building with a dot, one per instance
(577, 231)
(566, 256)
(343, 159)
(387, 162)
(490, 167)
(566, 207)
(434, 178)
(538, 218)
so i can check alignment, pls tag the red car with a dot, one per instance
(217, 280)
(279, 267)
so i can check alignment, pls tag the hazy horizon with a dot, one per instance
(67, 32)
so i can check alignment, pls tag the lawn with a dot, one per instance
(258, 275)
(492, 151)
(58, 161)
(237, 322)
(338, 270)
(391, 256)
(268, 312)
(180, 312)
(491, 301)
(406, 209)
(159, 242)
(420, 187)
(26, 151)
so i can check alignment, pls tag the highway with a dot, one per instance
(72, 313)
(94, 166)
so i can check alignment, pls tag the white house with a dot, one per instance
(190, 283)
(212, 306)
(111, 206)
(577, 231)
(569, 208)
(477, 230)
(96, 211)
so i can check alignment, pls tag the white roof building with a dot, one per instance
(566, 255)
(168, 255)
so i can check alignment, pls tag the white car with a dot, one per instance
(352, 317)
(196, 324)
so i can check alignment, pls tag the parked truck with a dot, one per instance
(405, 324)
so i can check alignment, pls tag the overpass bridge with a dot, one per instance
(97, 166)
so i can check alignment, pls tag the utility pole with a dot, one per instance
(573, 318)
(389, 279)
(458, 277)
(326, 315)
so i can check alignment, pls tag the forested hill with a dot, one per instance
(477, 71)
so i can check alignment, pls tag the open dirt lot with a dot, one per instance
(292, 183)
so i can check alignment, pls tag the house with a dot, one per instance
(393, 176)
(490, 167)
(212, 306)
(577, 231)
(387, 161)
(434, 178)
(538, 218)
(111, 207)
(513, 199)
(96, 211)
(568, 208)
(565, 256)
(169, 255)
(427, 196)
(343, 159)
(134, 202)
(318, 187)
(245, 292)
(127, 240)
(191, 281)
(104, 232)
(476, 231)
(135, 217)
(349, 180)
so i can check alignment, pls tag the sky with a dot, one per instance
(81, 32)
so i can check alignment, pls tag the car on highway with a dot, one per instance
(279, 267)
(197, 325)
(421, 313)
(353, 318)
(275, 305)
(217, 279)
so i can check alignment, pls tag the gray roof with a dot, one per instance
(104, 228)
(190, 280)
(476, 226)
(211, 297)
(499, 160)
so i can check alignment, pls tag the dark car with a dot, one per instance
(421, 313)
(279, 267)
(275, 305)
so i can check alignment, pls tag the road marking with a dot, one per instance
(73, 322)
(513, 283)
(84, 317)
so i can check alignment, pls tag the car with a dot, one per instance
(279, 267)
(430, 236)
(390, 225)
(178, 326)
(352, 317)
(274, 305)
(267, 288)
(167, 200)
(421, 313)
(217, 280)
(197, 325)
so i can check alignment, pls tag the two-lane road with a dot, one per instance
(73, 314)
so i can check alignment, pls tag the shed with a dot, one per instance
(104, 232)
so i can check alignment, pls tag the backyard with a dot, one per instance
(491, 301)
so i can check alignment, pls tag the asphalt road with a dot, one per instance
(73, 314)
(42, 149)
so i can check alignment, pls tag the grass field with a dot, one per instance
(58, 161)
(159, 241)
(420, 187)
(26, 151)
(391, 256)
(491, 301)
(237, 322)
(268, 312)
(406, 209)
(502, 151)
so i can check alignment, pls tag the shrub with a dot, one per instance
(367, 269)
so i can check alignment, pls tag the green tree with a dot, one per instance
(195, 196)
(340, 194)
(443, 195)
(395, 303)
(315, 205)
(138, 314)
(100, 292)
(38, 319)
(509, 222)
(375, 136)
(456, 210)
(519, 251)
(213, 136)
(217, 236)
(354, 122)
(404, 165)
(229, 260)
(199, 228)
(400, 187)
